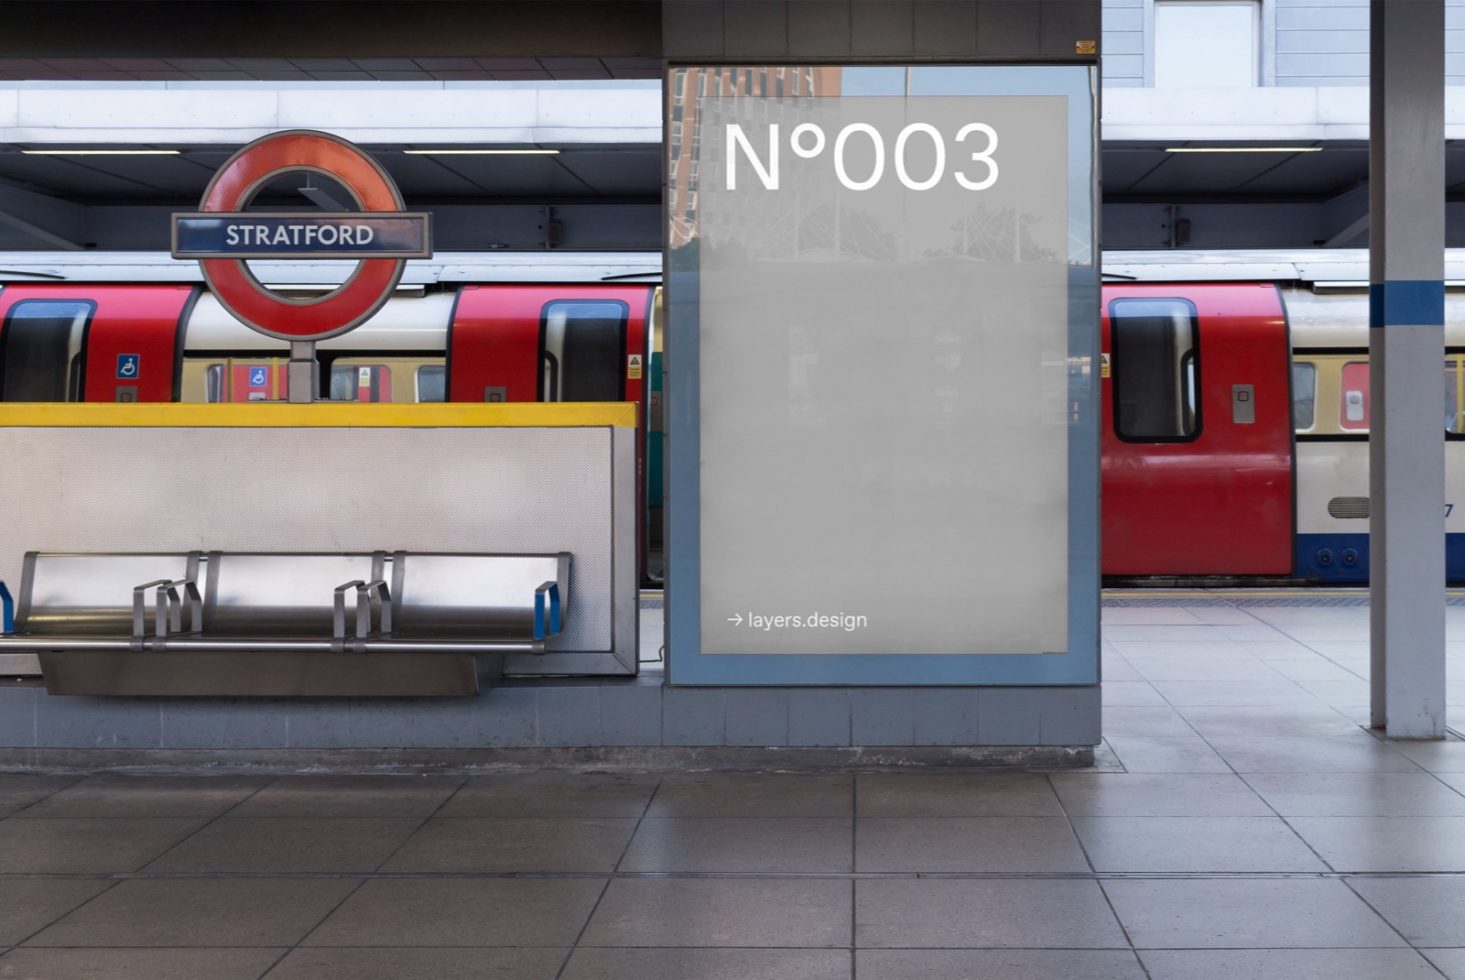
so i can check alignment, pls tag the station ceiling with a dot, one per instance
(1151, 171)
(632, 172)
(586, 172)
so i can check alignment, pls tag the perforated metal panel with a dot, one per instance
(532, 490)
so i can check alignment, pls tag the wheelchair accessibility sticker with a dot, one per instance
(129, 366)
(259, 377)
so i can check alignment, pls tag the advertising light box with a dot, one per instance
(882, 316)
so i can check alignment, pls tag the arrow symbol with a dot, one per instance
(736, 620)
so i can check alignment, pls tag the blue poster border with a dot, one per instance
(1079, 664)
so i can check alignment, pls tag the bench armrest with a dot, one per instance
(373, 604)
(547, 621)
(168, 609)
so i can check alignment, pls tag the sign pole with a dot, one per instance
(303, 375)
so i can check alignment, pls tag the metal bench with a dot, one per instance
(255, 624)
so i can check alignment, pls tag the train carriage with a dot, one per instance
(1234, 384)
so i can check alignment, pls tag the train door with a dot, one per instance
(553, 343)
(1197, 444)
(91, 343)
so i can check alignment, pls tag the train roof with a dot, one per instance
(1319, 268)
(445, 268)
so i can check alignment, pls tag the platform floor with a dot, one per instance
(1240, 824)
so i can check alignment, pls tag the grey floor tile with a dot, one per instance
(1187, 753)
(708, 964)
(1455, 780)
(742, 844)
(1156, 667)
(1157, 795)
(419, 963)
(955, 913)
(465, 844)
(1151, 616)
(1272, 651)
(553, 794)
(1193, 694)
(1016, 844)
(461, 912)
(1426, 911)
(736, 794)
(27, 905)
(264, 844)
(1145, 721)
(136, 964)
(81, 846)
(998, 964)
(1292, 720)
(349, 796)
(1287, 964)
(1386, 843)
(943, 794)
(199, 912)
(722, 912)
(1165, 633)
(1358, 752)
(1451, 962)
(1357, 794)
(1116, 668)
(1246, 914)
(1195, 844)
(109, 795)
(1448, 756)
(1131, 694)
(20, 790)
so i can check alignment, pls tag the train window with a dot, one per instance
(1155, 376)
(1454, 395)
(361, 383)
(432, 383)
(584, 348)
(1353, 410)
(1304, 395)
(40, 350)
(213, 384)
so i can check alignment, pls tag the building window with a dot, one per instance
(1206, 43)
(1155, 383)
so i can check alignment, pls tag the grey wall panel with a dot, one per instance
(757, 28)
(822, 28)
(1065, 23)
(815, 30)
(1342, 69)
(598, 712)
(319, 489)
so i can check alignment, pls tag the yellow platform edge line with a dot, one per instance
(281, 415)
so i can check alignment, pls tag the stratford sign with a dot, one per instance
(380, 236)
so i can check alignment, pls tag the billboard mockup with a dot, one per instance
(882, 314)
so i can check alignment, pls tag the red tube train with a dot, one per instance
(1234, 384)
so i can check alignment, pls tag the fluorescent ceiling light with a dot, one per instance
(1243, 149)
(468, 152)
(101, 153)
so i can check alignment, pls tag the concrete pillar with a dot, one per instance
(1406, 348)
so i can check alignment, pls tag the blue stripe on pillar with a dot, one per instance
(1411, 302)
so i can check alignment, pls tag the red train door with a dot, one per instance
(1197, 441)
(553, 343)
(91, 343)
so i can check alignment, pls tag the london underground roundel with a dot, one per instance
(380, 237)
